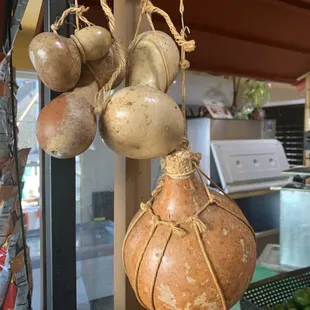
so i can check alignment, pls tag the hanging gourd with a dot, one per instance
(58, 60)
(148, 57)
(141, 121)
(66, 126)
(189, 247)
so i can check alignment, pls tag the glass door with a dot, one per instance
(95, 227)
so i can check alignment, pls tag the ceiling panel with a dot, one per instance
(261, 38)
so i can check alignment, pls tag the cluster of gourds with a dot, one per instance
(138, 121)
(189, 247)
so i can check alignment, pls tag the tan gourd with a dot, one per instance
(58, 60)
(66, 126)
(146, 65)
(104, 67)
(189, 247)
(141, 121)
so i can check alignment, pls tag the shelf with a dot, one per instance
(251, 194)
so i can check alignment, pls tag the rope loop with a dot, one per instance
(78, 11)
(184, 64)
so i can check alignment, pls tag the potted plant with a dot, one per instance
(256, 93)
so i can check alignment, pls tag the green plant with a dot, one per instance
(256, 92)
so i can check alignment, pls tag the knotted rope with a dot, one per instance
(78, 11)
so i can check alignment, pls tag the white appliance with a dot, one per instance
(247, 165)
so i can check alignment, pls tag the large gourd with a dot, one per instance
(141, 121)
(66, 126)
(58, 59)
(186, 250)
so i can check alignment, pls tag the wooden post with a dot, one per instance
(132, 178)
(307, 120)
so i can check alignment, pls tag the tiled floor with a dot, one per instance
(100, 304)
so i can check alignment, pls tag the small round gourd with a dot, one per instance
(94, 40)
(146, 64)
(141, 122)
(189, 251)
(58, 60)
(66, 126)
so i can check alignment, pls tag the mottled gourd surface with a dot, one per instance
(183, 280)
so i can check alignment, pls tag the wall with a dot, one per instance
(29, 28)
(280, 94)
(202, 85)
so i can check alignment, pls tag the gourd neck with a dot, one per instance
(180, 163)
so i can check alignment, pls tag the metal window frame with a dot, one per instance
(58, 206)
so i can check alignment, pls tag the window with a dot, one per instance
(27, 113)
(95, 227)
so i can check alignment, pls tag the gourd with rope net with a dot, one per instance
(190, 246)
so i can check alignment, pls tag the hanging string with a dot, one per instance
(78, 11)
(101, 99)
(184, 66)
(77, 15)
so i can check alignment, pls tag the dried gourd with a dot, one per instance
(141, 121)
(66, 126)
(58, 59)
(148, 56)
(189, 247)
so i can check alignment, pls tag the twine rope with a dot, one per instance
(78, 11)
(101, 99)
(210, 267)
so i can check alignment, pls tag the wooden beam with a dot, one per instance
(132, 178)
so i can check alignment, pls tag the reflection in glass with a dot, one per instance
(95, 227)
(27, 113)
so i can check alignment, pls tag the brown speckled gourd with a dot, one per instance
(141, 121)
(58, 59)
(66, 126)
(186, 250)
